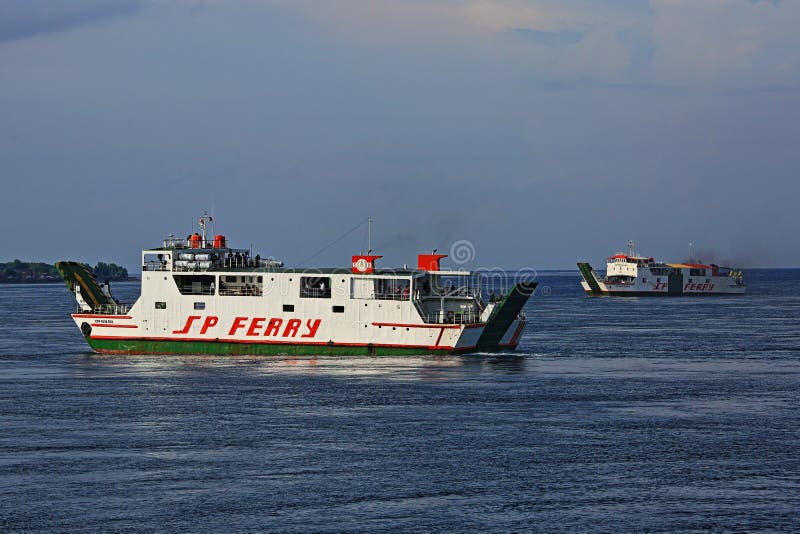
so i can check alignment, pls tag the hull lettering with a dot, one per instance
(253, 326)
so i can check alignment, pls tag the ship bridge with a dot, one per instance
(195, 253)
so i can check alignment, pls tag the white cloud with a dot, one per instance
(726, 41)
(674, 42)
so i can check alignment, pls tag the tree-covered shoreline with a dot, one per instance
(22, 272)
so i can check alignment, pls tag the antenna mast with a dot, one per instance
(204, 219)
(369, 235)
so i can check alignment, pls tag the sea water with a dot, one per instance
(615, 414)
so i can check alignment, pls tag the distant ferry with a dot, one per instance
(632, 275)
(200, 296)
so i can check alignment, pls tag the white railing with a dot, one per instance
(154, 266)
(187, 290)
(399, 295)
(252, 291)
(315, 293)
(451, 318)
(215, 265)
(108, 309)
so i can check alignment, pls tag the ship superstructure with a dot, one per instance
(201, 296)
(633, 275)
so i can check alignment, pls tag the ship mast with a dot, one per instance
(204, 218)
(369, 235)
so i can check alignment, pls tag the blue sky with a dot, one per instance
(544, 132)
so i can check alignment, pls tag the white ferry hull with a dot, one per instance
(634, 276)
(718, 287)
(278, 315)
(260, 335)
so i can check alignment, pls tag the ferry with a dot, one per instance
(633, 275)
(201, 296)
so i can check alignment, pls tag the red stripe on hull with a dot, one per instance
(439, 338)
(514, 338)
(404, 325)
(99, 316)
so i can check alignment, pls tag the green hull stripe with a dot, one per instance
(145, 346)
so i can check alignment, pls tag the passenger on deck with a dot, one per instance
(426, 287)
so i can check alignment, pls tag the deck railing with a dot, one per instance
(240, 291)
(392, 296)
(315, 293)
(154, 266)
(218, 265)
(107, 309)
(451, 318)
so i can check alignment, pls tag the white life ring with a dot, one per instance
(361, 265)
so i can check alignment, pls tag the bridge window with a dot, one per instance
(195, 284)
(380, 288)
(249, 286)
(155, 261)
(317, 287)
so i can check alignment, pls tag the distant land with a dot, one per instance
(21, 272)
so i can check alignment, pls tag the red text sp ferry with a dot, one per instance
(200, 296)
(632, 275)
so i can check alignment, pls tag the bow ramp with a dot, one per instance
(82, 283)
(591, 279)
(504, 316)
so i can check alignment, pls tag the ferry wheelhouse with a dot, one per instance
(201, 296)
(633, 275)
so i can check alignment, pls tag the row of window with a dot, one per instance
(310, 286)
(199, 306)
